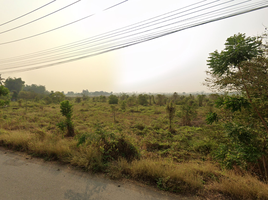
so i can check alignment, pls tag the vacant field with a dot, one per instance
(134, 142)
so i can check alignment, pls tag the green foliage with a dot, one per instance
(57, 97)
(78, 99)
(4, 95)
(123, 105)
(61, 126)
(102, 98)
(211, 117)
(47, 100)
(142, 99)
(233, 103)
(114, 109)
(131, 101)
(38, 89)
(20, 102)
(171, 109)
(201, 99)
(109, 145)
(160, 99)
(27, 95)
(67, 111)
(238, 48)
(113, 99)
(188, 113)
(15, 84)
(85, 97)
(240, 67)
(3, 91)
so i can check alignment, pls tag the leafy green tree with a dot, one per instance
(160, 99)
(131, 101)
(142, 99)
(39, 89)
(15, 84)
(241, 67)
(67, 111)
(57, 97)
(113, 99)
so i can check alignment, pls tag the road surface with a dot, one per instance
(26, 178)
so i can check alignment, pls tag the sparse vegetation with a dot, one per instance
(213, 146)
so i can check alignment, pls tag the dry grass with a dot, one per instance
(237, 187)
(18, 140)
(88, 158)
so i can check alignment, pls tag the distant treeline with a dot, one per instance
(87, 93)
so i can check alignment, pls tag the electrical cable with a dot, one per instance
(54, 60)
(129, 30)
(27, 13)
(68, 24)
(80, 41)
(124, 45)
(40, 17)
(114, 39)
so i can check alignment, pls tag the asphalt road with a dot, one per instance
(26, 178)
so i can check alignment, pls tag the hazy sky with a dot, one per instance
(173, 63)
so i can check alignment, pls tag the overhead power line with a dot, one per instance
(107, 35)
(113, 34)
(40, 18)
(83, 41)
(54, 29)
(136, 38)
(27, 13)
(250, 6)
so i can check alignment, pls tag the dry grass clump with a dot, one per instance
(45, 145)
(18, 140)
(52, 147)
(240, 187)
(87, 157)
(182, 178)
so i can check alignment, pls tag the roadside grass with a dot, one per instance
(178, 162)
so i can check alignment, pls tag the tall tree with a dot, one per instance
(242, 67)
(14, 84)
(227, 66)
(39, 89)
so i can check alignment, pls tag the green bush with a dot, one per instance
(111, 146)
(113, 99)
(67, 111)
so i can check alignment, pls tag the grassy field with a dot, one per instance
(137, 144)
